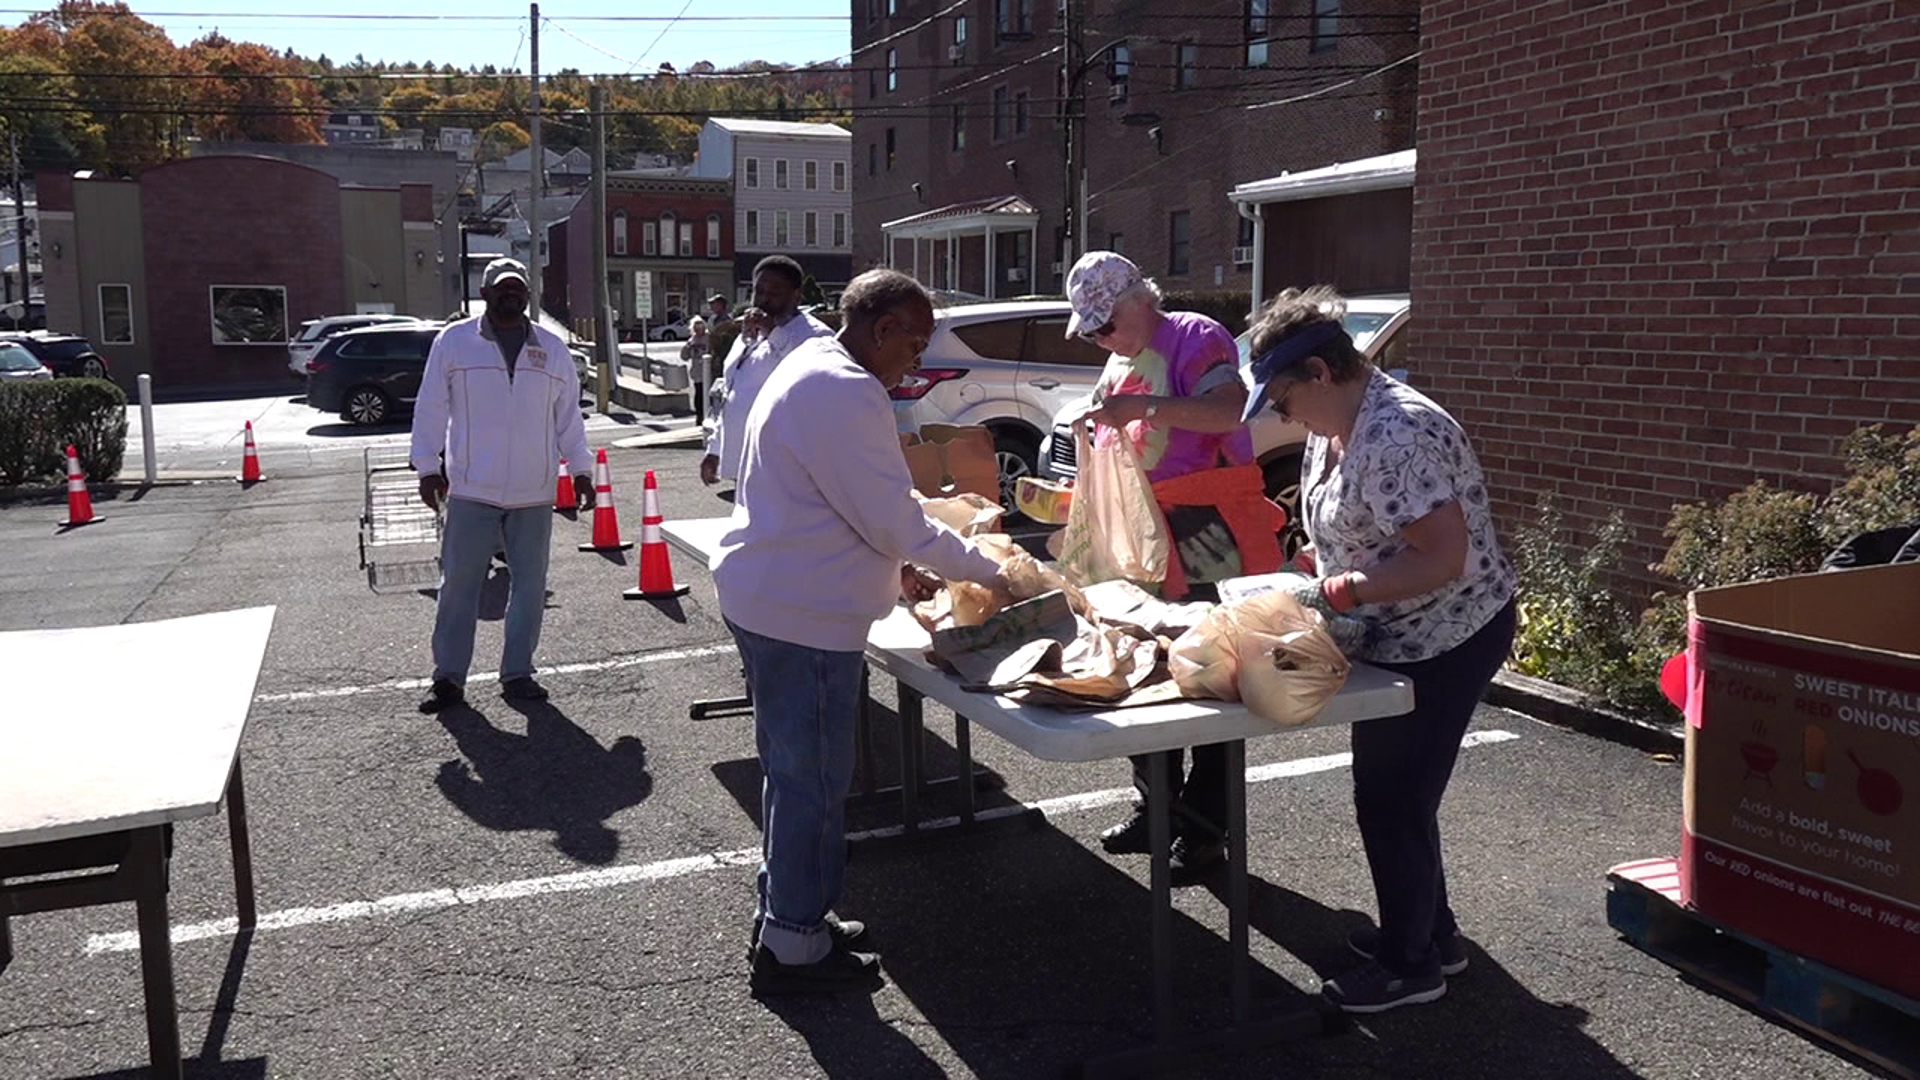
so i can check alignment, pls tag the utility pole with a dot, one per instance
(20, 225)
(604, 347)
(537, 161)
(1070, 225)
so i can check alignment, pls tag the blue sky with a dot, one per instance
(286, 24)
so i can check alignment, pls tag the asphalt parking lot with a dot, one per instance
(565, 890)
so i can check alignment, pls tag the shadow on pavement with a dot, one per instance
(345, 430)
(1488, 1024)
(194, 1069)
(850, 1041)
(555, 778)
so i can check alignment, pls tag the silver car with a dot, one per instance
(16, 363)
(315, 332)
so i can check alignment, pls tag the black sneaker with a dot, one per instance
(445, 694)
(1365, 942)
(1373, 989)
(847, 933)
(523, 689)
(841, 970)
(1193, 855)
(1130, 836)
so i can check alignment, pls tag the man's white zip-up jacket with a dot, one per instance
(502, 437)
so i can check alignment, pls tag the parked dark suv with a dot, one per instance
(67, 355)
(371, 376)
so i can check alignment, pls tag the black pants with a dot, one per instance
(1401, 765)
(1200, 796)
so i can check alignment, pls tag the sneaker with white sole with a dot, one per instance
(1371, 988)
(1365, 943)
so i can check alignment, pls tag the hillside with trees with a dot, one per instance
(89, 85)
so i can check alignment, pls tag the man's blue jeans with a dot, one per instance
(806, 703)
(474, 531)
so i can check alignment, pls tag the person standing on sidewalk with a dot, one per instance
(499, 407)
(1396, 505)
(825, 537)
(776, 292)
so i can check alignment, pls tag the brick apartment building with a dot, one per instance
(1661, 251)
(959, 134)
(678, 230)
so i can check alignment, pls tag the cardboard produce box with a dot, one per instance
(947, 460)
(1803, 767)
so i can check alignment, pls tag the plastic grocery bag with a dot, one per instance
(1114, 528)
(1267, 651)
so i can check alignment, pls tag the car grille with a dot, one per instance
(1062, 457)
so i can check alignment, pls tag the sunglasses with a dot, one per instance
(1103, 330)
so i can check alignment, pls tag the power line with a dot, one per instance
(662, 34)
(383, 16)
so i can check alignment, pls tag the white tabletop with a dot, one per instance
(898, 644)
(118, 727)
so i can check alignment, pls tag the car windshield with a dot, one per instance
(15, 358)
(1360, 325)
(309, 331)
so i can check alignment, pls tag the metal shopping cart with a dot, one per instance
(399, 535)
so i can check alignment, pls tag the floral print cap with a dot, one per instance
(1094, 285)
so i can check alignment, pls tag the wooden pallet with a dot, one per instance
(1868, 1022)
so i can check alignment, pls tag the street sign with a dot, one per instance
(643, 293)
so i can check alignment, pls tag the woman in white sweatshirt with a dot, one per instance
(823, 524)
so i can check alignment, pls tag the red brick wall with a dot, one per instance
(1664, 249)
(235, 221)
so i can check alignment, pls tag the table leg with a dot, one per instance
(6, 943)
(1159, 836)
(863, 747)
(963, 742)
(242, 849)
(912, 730)
(148, 862)
(1237, 879)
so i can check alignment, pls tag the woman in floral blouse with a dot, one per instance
(1395, 504)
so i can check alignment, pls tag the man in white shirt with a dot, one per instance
(776, 292)
(825, 533)
(499, 407)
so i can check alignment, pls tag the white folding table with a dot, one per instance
(897, 646)
(95, 770)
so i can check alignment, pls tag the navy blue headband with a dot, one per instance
(1294, 349)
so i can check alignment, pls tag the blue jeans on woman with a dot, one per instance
(806, 704)
(473, 532)
(1401, 766)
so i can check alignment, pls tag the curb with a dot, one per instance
(1557, 705)
(41, 492)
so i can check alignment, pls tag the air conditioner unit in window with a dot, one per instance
(1017, 274)
(1117, 92)
(956, 53)
(1242, 256)
(1055, 269)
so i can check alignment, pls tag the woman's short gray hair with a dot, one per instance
(1292, 311)
(1147, 289)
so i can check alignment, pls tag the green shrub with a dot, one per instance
(26, 432)
(1760, 532)
(1573, 629)
(1882, 488)
(1225, 307)
(39, 420)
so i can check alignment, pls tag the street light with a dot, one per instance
(1074, 218)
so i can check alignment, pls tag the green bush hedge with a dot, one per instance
(39, 420)
(1227, 308)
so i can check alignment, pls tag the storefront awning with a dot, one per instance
(1346, 178)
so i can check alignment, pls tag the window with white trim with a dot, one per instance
(116, 315)
(649, 238)
(810, 175)
(811, 226)
(839, 229)
(620, 233)
(781, 236)
(686, 239)
(780, 175)
(753, 172)
(713, 236)
(839, 176)
(667, 233)
(753, 228)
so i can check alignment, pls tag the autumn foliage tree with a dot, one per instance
(241, 99)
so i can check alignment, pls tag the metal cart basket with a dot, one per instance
(399, 535)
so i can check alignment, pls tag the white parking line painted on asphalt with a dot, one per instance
(586, 880)
(493, 676)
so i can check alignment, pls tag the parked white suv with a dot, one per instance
(1378, 326)
(1008, 366)
(315, 332)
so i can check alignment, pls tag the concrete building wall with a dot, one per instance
(375, 248)
(111, 250)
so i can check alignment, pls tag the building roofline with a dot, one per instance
(1379, 173)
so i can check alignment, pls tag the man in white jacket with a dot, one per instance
(776, 292)
(499, 407)
(825, 531)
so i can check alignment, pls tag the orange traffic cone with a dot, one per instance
(250, 462)
(563, 490)
(656, 572)
(606, 523)
(79, 503)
